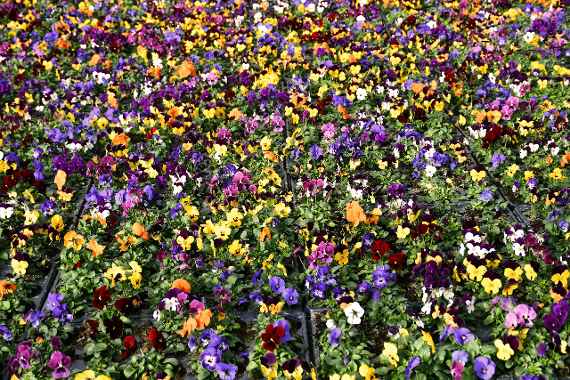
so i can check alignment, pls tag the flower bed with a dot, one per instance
(300, 190)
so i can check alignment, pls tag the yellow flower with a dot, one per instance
(401, 233)
(88, 374)
(19, 267)
(222, 232)
(186, 244)
(561, 278)
(477, 176)
(529, 272)
(391, 352)
(234, 217)
(514, 274)
(281, 210)
(136, 279)
(511, 171)
(504, 351)
(429, 340)
(475, 273)
(115, 273)
(269, 373)
(366, 372)
(491, 286)
(297, 374)
(266, 143)
(57, 222)
(342, 258)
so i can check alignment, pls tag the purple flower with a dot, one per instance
(541, 349)
(382, 277)
(413, 363)
(463, 335)
(484, 367)
(316, 152)
(285, 325)
(35, 317)
(57, 308)
(334, 337)
(277, 284)
(226, 371)
(486, 195)
(556, 319)
(460, 356)
(497, 160)
(60, 364)
(6, 333)
(291, 296)
(22, 357)
(210, 358)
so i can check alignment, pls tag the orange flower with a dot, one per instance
(417, 87)
(121, 139)
(203, 319)
(6, 288)
(181, 284)
(95, 248)
(187, 327)
(265, 234)
(185, 69)
(354, 213)
(140, 231)
(60, 179)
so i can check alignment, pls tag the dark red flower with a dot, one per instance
(114, 327)
(156, 339)
(380, 248)
(130, 343)
(397, 260)
(272, 337)
(101, 296)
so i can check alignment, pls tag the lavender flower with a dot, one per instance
(484, 368)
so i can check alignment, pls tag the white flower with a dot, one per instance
(354, 313)
(6, 213)
(171, 304)
(330, 324)
(156, 315)
(360, 93)
(430, 170)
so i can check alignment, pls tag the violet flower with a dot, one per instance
(60, 364)
(484, 368)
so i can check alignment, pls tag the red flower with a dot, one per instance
(130, 343)
(101, 296)
(397, 260)
(272, 337)
(380, 248)
(156, 339)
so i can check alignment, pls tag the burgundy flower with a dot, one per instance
(379, 248)
(156, 339)
(114, 327)
(101, 296)
(272, 337)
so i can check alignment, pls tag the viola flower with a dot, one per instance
(5, 333)
(463, 336)
(484, 368)
(101, 296)
(335, 336)
(226, 371)
(353, 312)
(60, 364)
(156, 339)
